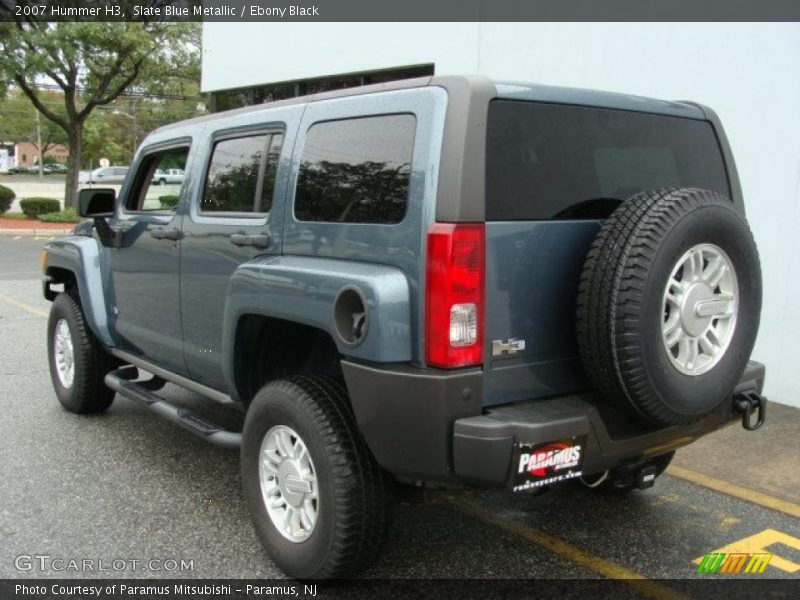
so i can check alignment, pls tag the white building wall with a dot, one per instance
(747, 72)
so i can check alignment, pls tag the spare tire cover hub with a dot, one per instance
(700, 309)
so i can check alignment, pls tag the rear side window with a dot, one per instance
(241, 174)
(547, 161)
(356, 170)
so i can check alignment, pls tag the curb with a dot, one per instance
(47, 232)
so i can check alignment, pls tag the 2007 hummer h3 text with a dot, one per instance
(443, 279)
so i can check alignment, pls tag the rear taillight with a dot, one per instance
(454, 295)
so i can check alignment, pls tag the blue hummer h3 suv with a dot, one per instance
(445, 279)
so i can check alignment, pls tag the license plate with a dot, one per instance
(538, 465)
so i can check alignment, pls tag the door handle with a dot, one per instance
(165, 234)
(257, 241)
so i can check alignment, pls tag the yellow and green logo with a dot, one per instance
(732, 563)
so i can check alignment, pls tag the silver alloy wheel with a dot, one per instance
(288, 483)
(63, 353)
(700, 306)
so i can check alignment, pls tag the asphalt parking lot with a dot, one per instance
(129, 485)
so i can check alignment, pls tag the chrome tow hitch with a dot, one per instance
(750, 403)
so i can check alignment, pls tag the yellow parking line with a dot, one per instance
(26, 307)
(737, 491)
(640, 583)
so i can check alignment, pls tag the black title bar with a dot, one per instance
(400, 10)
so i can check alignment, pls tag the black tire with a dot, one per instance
(620, 303)
(162, 182)
(354, 492)
(88, 392)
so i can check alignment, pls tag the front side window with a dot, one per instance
(356, 170)
(241, 174)
(147, 193)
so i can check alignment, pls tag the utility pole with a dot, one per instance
(135, 131)
(39, 144)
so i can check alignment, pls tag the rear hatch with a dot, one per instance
(553, 173)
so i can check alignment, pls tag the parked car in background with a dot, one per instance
(165, 176)
(103, 175)
(48, 168)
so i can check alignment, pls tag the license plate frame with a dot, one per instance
(535, 466)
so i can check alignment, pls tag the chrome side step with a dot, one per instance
(122, 382)
(193, 386)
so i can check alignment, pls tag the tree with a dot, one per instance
(18, 120)
(101, 140)
(93, 64)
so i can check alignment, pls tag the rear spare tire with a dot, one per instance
(669, 304)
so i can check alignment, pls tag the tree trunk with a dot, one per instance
(75, 138)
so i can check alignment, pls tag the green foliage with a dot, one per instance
(93, 64)
(169, 201)
(102, 140)
(6, 198)
(18, 119)
(68, 215)
(33, 207)
(173, 160)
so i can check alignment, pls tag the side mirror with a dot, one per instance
(96, 202)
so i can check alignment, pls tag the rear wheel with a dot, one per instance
(319, 501)
(78, 362)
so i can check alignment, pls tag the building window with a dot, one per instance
(236, 98)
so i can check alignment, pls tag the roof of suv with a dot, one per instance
(461, 174)
(504, 89)
(565, 95)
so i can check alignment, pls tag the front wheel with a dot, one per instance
(78, 362)
(319, 501)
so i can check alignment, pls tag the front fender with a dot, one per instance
(304, 290)
(84, 258)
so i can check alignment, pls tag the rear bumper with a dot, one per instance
(406, 414)
(431, 425)
(483, 445)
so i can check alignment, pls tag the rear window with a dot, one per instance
(546, 161)
(356, 170)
